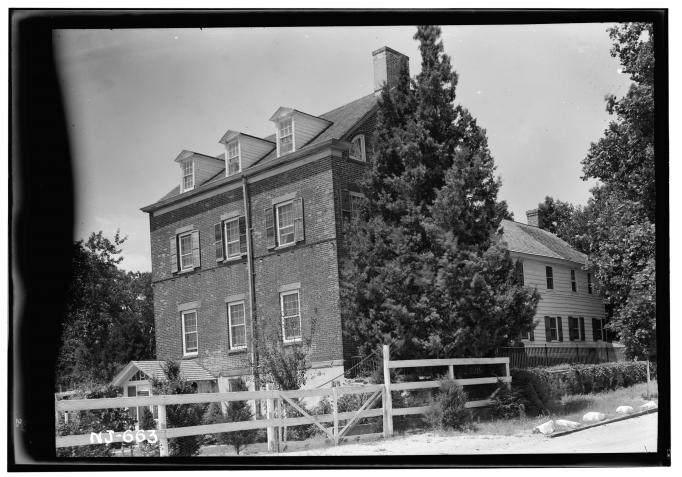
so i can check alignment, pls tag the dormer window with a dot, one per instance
(187, 176)
(357, 148)
(233, 162)
(285, 136)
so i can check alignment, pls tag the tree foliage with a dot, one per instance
(554, 213)
(425, 268)
(110, 315)
(621, 215)
(237, 411)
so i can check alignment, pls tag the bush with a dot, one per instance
(85, 422)
(506, 403)
(237, 411)
(449, 409)
(539, 389)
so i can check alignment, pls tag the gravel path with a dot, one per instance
(632, 435)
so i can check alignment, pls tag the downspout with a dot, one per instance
(252, 286)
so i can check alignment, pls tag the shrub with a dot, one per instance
(506, 403)
(535, 390)
(237, 411)
(85, 422)
(449, 409)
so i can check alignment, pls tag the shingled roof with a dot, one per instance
(190, 370)
(342, 121)
(532, 240)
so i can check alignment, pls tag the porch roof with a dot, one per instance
(191, 371)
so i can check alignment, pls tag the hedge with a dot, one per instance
(541, 388)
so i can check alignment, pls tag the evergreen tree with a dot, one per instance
(238, 411)
(553, 214)
(425, 269)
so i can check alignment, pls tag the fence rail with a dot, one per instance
(376, 392)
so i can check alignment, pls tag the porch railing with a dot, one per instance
(528, 357)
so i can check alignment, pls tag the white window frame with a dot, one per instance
(281, 307)
(190, 253)
(186, 175)
(277, 224)
(184, 332)
(227, 243)
(602, 323)
(363, 152)
(574, 281)
(280, 127)
(229, 157)
(550, 269)
(230, 326)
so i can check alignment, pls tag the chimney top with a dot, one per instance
(387, 65)
(533, 217)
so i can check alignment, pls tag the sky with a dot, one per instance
(136, 98)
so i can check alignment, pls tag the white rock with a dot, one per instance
(594, 417)
(545, 428)
(564, 424)
(624, 410)
(648, 405)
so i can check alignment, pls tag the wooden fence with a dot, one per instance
(275, 399)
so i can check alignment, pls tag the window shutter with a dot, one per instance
(174, 253)
(532, 335)
(196, 252)
(242, 234)
(299, 234)
(219, 248)
(571, 328)
(269, 214)
(548, 329)
(345, 204)
(560, 332)
(596, 334)
(582, 329)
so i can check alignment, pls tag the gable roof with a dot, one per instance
(533, 240)
(190, 370)
(342, 120)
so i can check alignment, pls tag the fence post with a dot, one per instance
(451, 371)
(506, 367)
(269, 414)
(388, 407)
(648, 379)
(335, 412)
(163, 441)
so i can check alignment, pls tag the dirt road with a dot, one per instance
(632, 435)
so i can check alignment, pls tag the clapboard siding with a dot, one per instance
(562, 301)
(306, 128)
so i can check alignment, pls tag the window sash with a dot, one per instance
(589, 283)
(232, 244)
(574, 284)
(291, 316)
(355, 205)
(237, 323)
(550, 277)
(285, 223)
(553, 331)
(286, 136)
(185, 247)
(357, 148)
(187, 175)
(190, 333)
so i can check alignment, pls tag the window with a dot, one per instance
(285, 223)
(187, 176)
(237, 324)
(232, 239)
(598, 329)
(576, 328)
(190, 339)
(357, 148)
(285, 133)
(185, 242)
(574, 284)
(553, 329)
(550, 278)
(291, 316)
(356, 204)
(529, 335)
(233, 165)
(589, 283)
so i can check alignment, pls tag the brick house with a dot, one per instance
(252, 237)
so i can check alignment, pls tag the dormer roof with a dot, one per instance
(185, 154)
(283, 112)
(231, 135)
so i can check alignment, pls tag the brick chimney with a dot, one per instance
(387, 65)
(533, 217)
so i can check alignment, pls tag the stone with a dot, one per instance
(594, 417)
(648, 405)
(544, 428)
(566, 425)
(624, 410)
